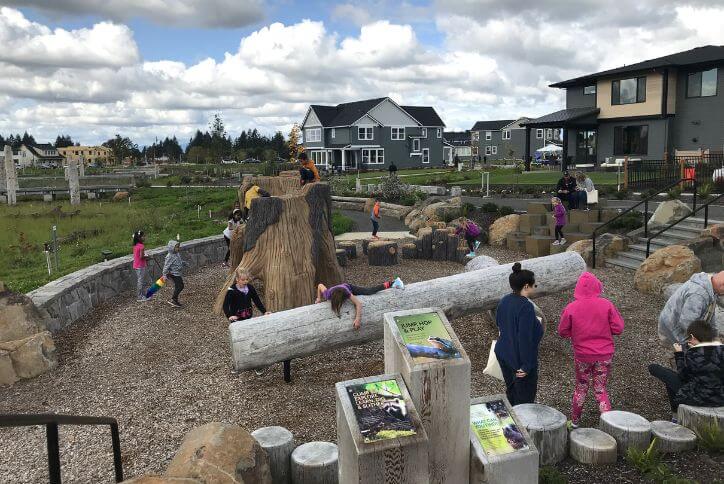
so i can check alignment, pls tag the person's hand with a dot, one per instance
(677, 347)
(318, 300)
(233, 318)
(356, 324)
(520, 374)
(267, 313)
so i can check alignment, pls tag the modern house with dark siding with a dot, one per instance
(505, 139)
(373, 134)
(648, 110)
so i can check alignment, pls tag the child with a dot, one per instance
(559, 213)
(698, 377)
(590, 322)
(173, 269)
(471, 231)
(231, 225)
(237, 303)
(140, 261)
(375, 217)
(338, 294)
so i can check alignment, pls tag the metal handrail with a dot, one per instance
(51, 422)
(645, 202)
(706, 221)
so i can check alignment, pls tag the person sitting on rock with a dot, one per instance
(699, 376)
(338, 294)
(694, 300)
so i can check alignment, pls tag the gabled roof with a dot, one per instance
(563, 118)
(346, 114)
(708, 54)
(39, 151)
(491, 125)
(425, 115)
(518, 123)
(457, 138)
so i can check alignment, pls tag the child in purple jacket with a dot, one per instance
(559, 213)
(471, 231)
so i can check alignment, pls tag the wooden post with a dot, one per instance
(382, 253)
(278, 443)
(592, 446)
(629, 429)
(426, 234)
(350, 247)
(671, 437)
(409, 251)
(315, 463)
(341, 257)
(547, 428)
(492, 420)
(439, 244)
(453, 242)
(366, 458)
(701, 418)
(625, 173)
(437, 375)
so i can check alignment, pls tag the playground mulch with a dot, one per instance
(162, 371)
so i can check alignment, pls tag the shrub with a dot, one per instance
(489, 207)
(705, 191)
(143, 182)
(341, 223)
(622, 194)
(674, 193)
(630, 221)
(506, 210)
(392, 188)
(648, 463)
(711, 438)
(411, 198)
(185, 180)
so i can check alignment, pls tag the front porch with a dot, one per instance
(350, 157)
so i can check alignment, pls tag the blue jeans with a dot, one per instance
(375, 227)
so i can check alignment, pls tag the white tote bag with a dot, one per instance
(493, 368)
(592, 196)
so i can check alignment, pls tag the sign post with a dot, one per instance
(421, 345)
(379, 433)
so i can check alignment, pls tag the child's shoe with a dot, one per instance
(175, 304)
(571, 425)
(556, 242)
(477, 244)
(563, 241)
(398, 284)
(142, 299)
(471, 255)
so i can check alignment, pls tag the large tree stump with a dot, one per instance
(629, 429)
(382, 253)
(439, 245)
(453, 243)
(350, 247)
(547, 428)
(236, 246)
(278, 443)
(701, 418)
(671, 437)
(592, 446)
(409, 251)
(341, 257)
(425, 235)
(315, 463)
(365, 246)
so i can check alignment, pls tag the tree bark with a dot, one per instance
(315, 463)
(313, 329)
(547, 428)
(382, 253)
(671, 437)
(341, 257)
(409, 251)
(350, 247)
(278, 443)
(592, 446)
(629, 429)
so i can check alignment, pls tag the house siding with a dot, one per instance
(576, 99)
(699, 118)
(657, 139)
(651, 107)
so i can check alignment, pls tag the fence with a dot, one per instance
(649, 174)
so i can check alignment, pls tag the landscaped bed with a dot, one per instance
(163, 371)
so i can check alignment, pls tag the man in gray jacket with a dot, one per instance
(694, 300)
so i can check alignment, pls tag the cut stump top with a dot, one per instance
(535, 416)
(626, 420)
(315, 454)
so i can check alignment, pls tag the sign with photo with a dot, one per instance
(381, 411)
(426, 337)
(495, 428)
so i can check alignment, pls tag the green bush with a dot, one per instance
(489, 207)
(506, 210)
(674, 193)
(648, 463)
(341, 223)
(185, 180)
(411, 198)
(551, 475)
(143, 182)
(711, 439)
(705, 191)
(630, 221)
(622, 194)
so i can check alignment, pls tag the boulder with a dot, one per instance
(444, 211)
(668, 211)
(607, 246)
(31, 356)
(7, 372)
(668, 265)
(480, 262)
(715, 231)
(120, 196)
(502, 227)
(19, 317)
(220, 452)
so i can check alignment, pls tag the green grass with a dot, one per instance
(161, 213)
(341, 223)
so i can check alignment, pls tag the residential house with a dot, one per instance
(16, 156)
(44, 155)
(457, 146)
(646, 110)
(90, 155)
(505, 139)
(372, 134)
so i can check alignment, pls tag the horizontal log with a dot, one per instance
(307, 330)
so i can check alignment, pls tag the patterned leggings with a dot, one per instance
(598, 371)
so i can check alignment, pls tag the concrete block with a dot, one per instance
(583, 216)
(607, 214)
(48, 197)
(575, 236)
(516, 241)
(528, 221)
(542, 230)
(539, 208)
(588, 228)
(538, 245)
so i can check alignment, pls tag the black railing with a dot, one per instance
(645, 203)
(51, 422)
(646, 174)
(696, 209)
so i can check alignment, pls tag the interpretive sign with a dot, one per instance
(495, 429)
(381, 410)
(426, 337)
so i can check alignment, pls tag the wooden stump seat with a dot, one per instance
(315, 463)
(701, 418)
(278, 443)
(382, 253)
(592, 446)
(350, 247)
(671, 437)
(409, 251)
(547, 428)
(629, 429)
(341, 257)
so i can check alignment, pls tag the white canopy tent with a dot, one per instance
(549, 148)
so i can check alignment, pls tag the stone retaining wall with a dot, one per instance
(70, 297)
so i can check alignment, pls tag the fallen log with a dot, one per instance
(307, 330)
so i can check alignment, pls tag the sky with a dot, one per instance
(156, 68)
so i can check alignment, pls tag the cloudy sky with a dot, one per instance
(147, 68)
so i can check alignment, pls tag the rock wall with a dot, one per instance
(68, 298)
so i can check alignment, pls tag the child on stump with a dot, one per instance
(375, 218)
(338, 294)
(471, 231)
(590, 322)
(140, 260)
(173, 269)
(239, 297)
(559, 214)
(699, 376)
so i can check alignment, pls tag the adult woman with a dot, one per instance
(584, 186)
(231, 225)
(520, 335)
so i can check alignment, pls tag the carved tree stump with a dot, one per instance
(629, 429)
(671, 437)
(547, 428)
(592, 446)
(425, 235)
(236, 246)
(341, 257)
(439, 245)
(382, 253)
(453, 242)
(409, 251)
(365, 245)
(350, 247)
(315, 463)
(278, 443)
(701, 418)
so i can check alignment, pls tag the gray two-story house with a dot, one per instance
(372, 134)
(647, 110)
(505, 139)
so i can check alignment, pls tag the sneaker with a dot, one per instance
(477, 244)
(563, 241)
(224, 264)
(175, 304)
(471, 255)
(259, 371)
(556, 242)
(571, 426)
(142, 299)
(398, 284)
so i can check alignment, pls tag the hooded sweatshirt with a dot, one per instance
(173, 264)
(693, 300)
(590, 321)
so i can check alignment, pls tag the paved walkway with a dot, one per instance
(362, 222)
(356, 236)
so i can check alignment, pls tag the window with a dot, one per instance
(423, 132)
(475, 150)
(365, 133)
(494, 150)
(549, 133)
(701, 84)
(416, 145)
(539, 134)
(320, 158)
(373, 157)
(488, 135)
(398, 133)
(630, 140)
(475, 136)
(628, 91)
(426, 155)
(334, 133)
(588, 90)
(439, 133)
(488, 150)
(313, 135)
(506, 134)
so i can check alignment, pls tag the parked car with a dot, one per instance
(251, 160)
(228, 162)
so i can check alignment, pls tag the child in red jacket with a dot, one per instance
(590, 322)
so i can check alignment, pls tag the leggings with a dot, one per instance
(471, 242)
(140, 277)
(671, 380)
(375, 227)
(585, 372)
(228, 248)
(559, 232)
(368, 291)
(178, 286)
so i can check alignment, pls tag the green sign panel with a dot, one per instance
(381, 411)
(495, 428)
(426, 337)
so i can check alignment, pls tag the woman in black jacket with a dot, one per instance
(237, 303)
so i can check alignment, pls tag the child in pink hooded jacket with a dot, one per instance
(590, 322)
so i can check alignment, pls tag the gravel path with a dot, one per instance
(163, 371)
